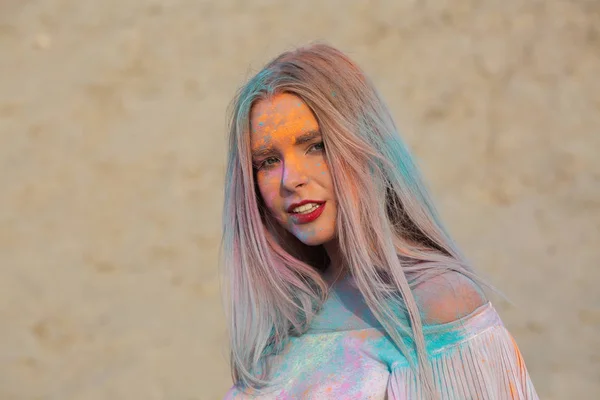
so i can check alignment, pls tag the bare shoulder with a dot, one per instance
(447, 297)
(233, 393)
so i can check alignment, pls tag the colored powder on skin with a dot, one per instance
(306, 235)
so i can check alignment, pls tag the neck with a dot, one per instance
(336, 269)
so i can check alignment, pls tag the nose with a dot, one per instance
(294, 175)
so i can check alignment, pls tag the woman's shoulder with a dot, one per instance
(447, 297)
(442, 299)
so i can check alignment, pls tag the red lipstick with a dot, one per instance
(303, 202)
(311, 216)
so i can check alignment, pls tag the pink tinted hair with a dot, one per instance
(388, 229)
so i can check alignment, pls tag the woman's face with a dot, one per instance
(289, 158)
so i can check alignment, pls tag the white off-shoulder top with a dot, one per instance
(346, 354)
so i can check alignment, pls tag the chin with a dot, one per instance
(312, 238)
(311, 241)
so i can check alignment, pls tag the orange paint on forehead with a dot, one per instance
(281, 117)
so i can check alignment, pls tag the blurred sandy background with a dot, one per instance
(112, 154)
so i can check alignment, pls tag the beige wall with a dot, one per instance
(112, 123)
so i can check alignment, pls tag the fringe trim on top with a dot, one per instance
(488, 366)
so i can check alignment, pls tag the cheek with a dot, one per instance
(322, 172)
(268, 191)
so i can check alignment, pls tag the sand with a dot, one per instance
(112, 127)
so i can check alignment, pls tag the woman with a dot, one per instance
(342, 281)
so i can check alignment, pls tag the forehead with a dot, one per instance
(282, 116)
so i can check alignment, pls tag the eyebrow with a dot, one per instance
(301, 139)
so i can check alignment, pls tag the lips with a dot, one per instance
(303, 202)
(310, 217)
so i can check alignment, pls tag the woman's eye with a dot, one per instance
(265, 163)
(319, 144)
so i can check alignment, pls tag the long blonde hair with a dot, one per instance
(389, 232)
